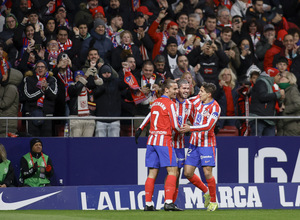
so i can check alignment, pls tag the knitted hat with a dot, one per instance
(172, 23)
(269, 27)
(78, 72)
(98, 22)
(172, 40)
(105, 69)
(33, 141)
(96, 10)
(272, 71)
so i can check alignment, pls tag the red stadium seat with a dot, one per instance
(228, 131)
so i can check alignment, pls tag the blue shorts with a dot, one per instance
(180, 157)
(200, 156)
(160, 156)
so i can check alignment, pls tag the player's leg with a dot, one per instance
(180, 154)
(208, 162)
(152, 162)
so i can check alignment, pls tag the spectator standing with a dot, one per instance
(108, 103)
(40, 90)
(263, 101)
(290, 105)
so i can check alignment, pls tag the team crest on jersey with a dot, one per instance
(215, 115)
(206, 113)
(180, 120)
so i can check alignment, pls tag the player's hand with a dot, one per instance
(185, 128)
(137, 135)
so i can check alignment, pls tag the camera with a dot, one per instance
(209, 43)
(64, 56)
(148, 85)
(162, 8)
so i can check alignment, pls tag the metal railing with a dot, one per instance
(256, 118)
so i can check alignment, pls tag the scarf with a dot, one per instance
(152, 95)
(52, 57)
(67, 79)
(135, 4)
(131, 81)
(164, 42)
(82, 103)
(127, 47)
(66, 46)
(40, 101)
(4, 66)
(283, 85)
(114, 35)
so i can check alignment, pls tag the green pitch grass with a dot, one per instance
(159, 215)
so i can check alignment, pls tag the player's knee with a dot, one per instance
(188, 174)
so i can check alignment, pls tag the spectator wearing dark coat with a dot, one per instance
(98, 40)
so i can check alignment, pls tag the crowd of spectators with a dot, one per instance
(105, 58)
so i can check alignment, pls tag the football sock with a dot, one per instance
(197, 182)
(212, 188)
(170, 186)
(175, 195)
(149, 188)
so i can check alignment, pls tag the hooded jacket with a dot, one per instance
(9, 102)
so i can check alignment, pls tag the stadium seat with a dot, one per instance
(228, 131)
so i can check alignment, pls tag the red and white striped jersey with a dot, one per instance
(163, 120)
(206, 117)
(184, 112)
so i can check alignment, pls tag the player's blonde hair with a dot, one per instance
(3, 154)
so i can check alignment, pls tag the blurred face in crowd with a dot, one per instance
(1, 52)
(52, 45)
(276, 19)
(33, 18)
(282, 66)
(131, 62)
(296, 37)
(283, 78)
(226, 76)
(160, 66)
(184, 91)
(224, 17)
(252, 28)
(165, 24)
(253, 78)
(189, 78)
(106, 75)
(183, 62)
(226, 36)
(139, 21)
(173, 30)
(40, 69)
(172, 49)
(288, 41)
(210, 24)
(62, 36)
(117, 22)
(11, 22)
(29, 32)
(92, 4)
(182, 21)
(269, 33)
(199, 12)
(83, 30)
(148, 71)
(258, 6)
(24, 5)
(93, 56)
(245, 43)
(193, 23)
(100, 29)
(126, 39)
(209, 51)
(114, 4)
(37, 147)
(50, 25)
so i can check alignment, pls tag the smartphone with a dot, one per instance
(189, 36)
(246, 47)
(37, 46)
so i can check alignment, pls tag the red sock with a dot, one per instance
(197, 182)
(149, 188)
(212, 188)
(175, 195)
(170, 186)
